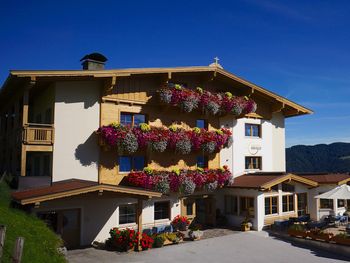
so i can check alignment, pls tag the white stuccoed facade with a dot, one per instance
(77, 116)
(271, 145)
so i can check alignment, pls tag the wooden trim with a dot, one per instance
(127, 72)
(289, 177)
(116, 189)
(344, 181)
(139, 222)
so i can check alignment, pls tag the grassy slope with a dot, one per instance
(40, 242)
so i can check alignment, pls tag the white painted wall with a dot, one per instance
(272, 144)
(76, 151)
(101, 213)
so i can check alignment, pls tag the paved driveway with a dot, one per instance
(238, 248)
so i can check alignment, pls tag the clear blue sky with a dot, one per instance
(299, 49)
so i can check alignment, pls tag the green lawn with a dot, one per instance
(40, 242)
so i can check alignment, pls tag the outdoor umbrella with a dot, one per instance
(340, 192)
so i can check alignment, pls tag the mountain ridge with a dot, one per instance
(319, 158)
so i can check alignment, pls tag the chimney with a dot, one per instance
(93, 61)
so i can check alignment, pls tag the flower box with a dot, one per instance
(341, 240)
(320, 236)
(298, 233)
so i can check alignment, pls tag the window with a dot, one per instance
(127, 214)
(201, 123)
(252, 130)
(128, 163)
(252, 162)
(247, 206)
(341, 202)
(231, 205)
(326, 203)
(202, 161)
(161, 210)
(132, 119)
(288, 187)
(288, 203)
(271, 205)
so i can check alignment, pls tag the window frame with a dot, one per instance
(290, 201)
(168, 212)
(132, 164)
(205, 161)
(341, 200)
(127, 214)
(326, 204)
(251, 130)
(269, 199)
(206, 125)
(132, 118)
(259, 158)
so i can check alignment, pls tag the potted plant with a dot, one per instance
(158, 241)
(246, 225)
(146, 241)
(342, 238)
(318, 234)
(297, 230)
(122, 240)
(180, 223)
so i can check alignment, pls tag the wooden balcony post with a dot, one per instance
(139, 222)
(25, 123)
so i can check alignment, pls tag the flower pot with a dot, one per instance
(245, 228)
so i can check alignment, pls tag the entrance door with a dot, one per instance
(205, 211)
(70, 227)
(302, 204)
(65, 223)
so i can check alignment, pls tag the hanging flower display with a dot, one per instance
(211, 103)
(183, 181)
(158, 139)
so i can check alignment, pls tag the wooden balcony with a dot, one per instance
(38, 134)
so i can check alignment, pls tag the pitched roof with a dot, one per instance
(328, 178)
(74, 187)
(267, 180)
(37, 74)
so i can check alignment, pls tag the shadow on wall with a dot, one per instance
(86, 152)
(68, 93)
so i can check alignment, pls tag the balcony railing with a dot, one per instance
(42, 134)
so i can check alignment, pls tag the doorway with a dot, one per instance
(205, 211)
(65, 223)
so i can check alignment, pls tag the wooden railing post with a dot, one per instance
(2, 239)
(18, 250)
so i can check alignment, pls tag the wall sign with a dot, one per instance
(254, 148)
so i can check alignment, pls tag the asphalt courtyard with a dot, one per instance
(238, 248)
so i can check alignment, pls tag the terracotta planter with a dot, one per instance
(341, 241)
(320, 237)
(297, 233)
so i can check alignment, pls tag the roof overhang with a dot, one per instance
(289, 107)
(100, 188)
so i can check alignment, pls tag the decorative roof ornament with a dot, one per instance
(216, 63)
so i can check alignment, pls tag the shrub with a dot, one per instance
(158, 241)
